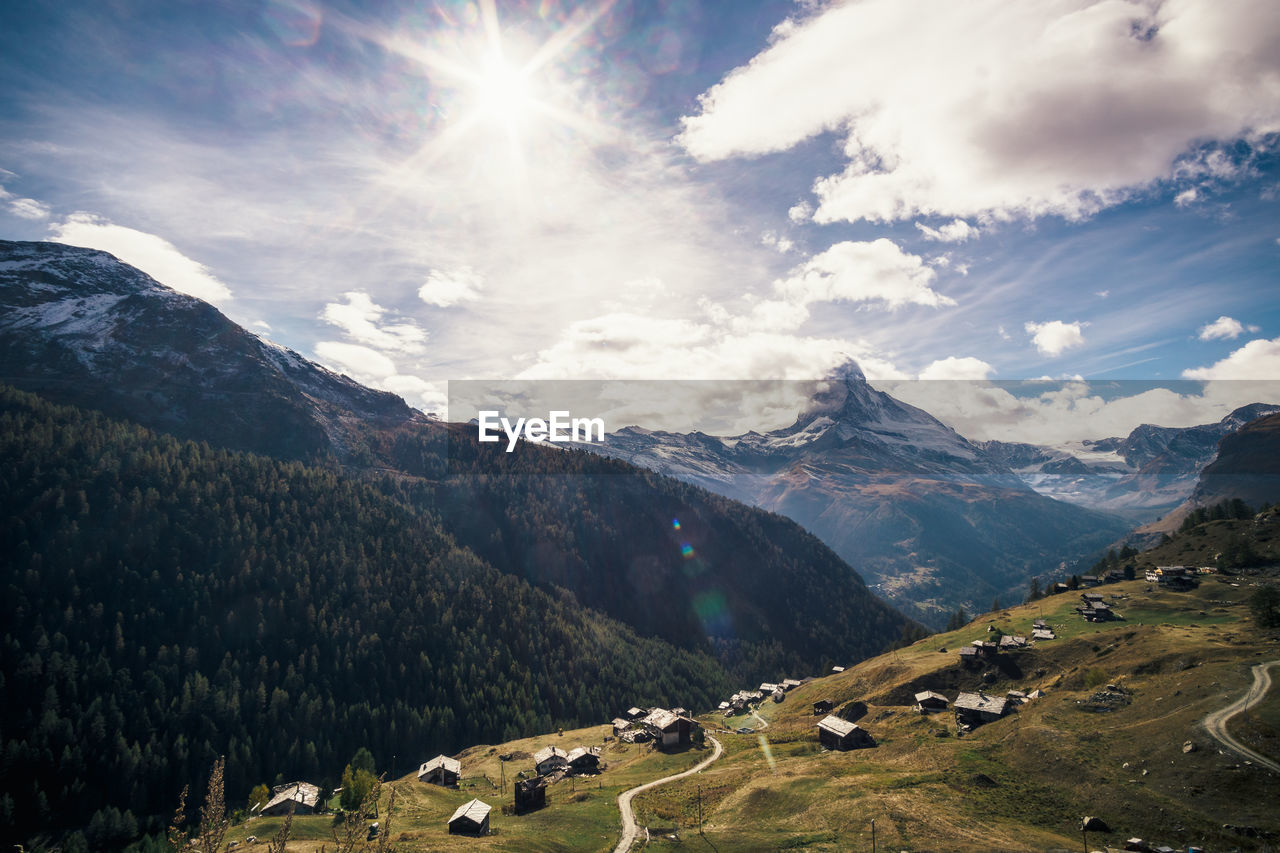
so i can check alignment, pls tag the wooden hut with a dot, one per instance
(974, 709)
(296, 797)
(550, 758)
(531, 794)
(471, 818)
(583, 760)
(441, 770)
(835, 733)
(930, 700)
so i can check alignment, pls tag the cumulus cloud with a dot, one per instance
(952, 367)
(878, 271)
(1224, 328)
(1258, 359)
(154, 255)
(997, 110)
(800, 212)
(445, 289)
(1187, 197)
(1055, 337)
(360, 317)
(956, 231)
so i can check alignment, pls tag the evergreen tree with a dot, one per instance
(958, 620)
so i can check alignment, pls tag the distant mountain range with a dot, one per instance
(933, 520)
(1140, 476)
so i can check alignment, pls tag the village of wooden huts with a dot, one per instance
(666, 727)
(471, 818)
(1093, 609)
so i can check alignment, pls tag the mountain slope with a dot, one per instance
(80, 327)
(112, 338)
(929, 517)
(1247, 466)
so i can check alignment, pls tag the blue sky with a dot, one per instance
(683, 189)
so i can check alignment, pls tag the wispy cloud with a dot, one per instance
(154, 255)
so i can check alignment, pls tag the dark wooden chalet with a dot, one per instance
(835, 733)
(974, 709)
(441, 770)
(531, 794)
(931, 700)
(471, 818)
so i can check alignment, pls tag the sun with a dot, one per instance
(502, 93)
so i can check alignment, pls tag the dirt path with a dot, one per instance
(1216, 723)
(764, 724)
(629, 828)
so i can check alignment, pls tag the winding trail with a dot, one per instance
(764, 724)
(630, 830)
(1216, 723)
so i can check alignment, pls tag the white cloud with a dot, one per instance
(878, 271)
(956, 231)
(801, 212)
(635, 346)
(952, 367)
(777, 241)
(1224, 328)
(1055, 337)
(1258, 359)
(445, 289)
(360, 318)
(376, 370)
(154, 255)
(1068, 411)
(1187, 197)
(992, 109)
(29, 208)
(360, 363)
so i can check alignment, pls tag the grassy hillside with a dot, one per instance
(1021, 783)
